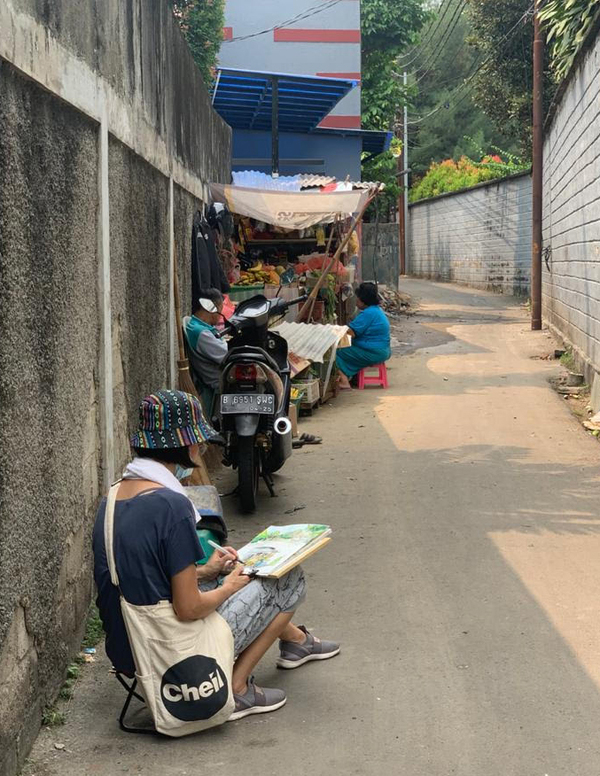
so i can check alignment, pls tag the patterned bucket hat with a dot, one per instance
(171, 419)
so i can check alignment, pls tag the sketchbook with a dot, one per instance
(279, 548)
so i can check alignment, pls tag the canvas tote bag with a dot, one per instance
(184, 668)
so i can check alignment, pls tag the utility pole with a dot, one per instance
(402, 201)
(405, 179)
(275, 127)
(538, 160)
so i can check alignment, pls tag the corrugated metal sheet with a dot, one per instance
(311, 340)
(310, 181)
(244, 99)
(366, 185)
(252, 179)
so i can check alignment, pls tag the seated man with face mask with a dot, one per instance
(207, 349)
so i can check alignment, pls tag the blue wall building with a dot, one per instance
(276, 120)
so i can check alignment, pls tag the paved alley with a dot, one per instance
(463, 579)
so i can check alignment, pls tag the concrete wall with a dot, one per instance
(139, 243)
(381, 253)
(107, 142)
(49, 436)
(571, 289)
(480, 237)
(326, 56)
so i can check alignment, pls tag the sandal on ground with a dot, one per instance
(292, 655)
(310, 439)
(257, 700)
(306, 439)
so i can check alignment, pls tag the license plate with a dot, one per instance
(241, 403)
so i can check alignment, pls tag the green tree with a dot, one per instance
(383, 168)
(503, 86)
(202, 22)
(388, 28)
(437, 75)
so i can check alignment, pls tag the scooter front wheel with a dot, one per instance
(248, 473)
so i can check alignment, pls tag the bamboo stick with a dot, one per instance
(337, 254)
(327, 249)
(200, 475)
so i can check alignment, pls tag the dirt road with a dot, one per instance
(463, 580)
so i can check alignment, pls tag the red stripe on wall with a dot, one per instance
(293, 35)
(227, 33)
(341, 122)
(348, 76)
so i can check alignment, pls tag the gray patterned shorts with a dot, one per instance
(249, 611)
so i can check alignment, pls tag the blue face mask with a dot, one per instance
(182, 473)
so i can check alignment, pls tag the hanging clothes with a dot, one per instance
(207, 270)
(218, 277)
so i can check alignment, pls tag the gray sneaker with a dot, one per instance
(257, 700)
(294, 655)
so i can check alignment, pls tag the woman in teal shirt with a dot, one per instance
(370, 332)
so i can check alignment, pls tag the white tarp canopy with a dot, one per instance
(289, 210)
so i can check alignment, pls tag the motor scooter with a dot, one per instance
(255, 396)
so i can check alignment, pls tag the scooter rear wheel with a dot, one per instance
(248, 473)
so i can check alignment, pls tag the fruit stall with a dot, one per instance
(287, 241)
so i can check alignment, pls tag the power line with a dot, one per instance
(474, 68)
(440, 47)
(306, 14)
(469, 82)
(415, 52)
(428, 37)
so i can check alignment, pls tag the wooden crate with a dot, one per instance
(312, 393)
(311, 390)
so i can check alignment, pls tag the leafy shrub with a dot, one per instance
(451, 175)
(567, 24)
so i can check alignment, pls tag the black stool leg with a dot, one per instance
(131, 693)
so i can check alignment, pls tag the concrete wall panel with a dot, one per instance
(139, 258)
(480, 237)
(185, 206)
(571, 279)
(49, 351)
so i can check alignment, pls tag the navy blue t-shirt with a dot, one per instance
(154, 539)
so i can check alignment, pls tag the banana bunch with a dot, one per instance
(259, 274)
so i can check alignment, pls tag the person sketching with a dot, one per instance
(157, 551)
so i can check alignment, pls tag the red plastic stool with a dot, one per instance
(380, 380)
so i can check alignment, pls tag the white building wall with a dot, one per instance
(329, 54)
